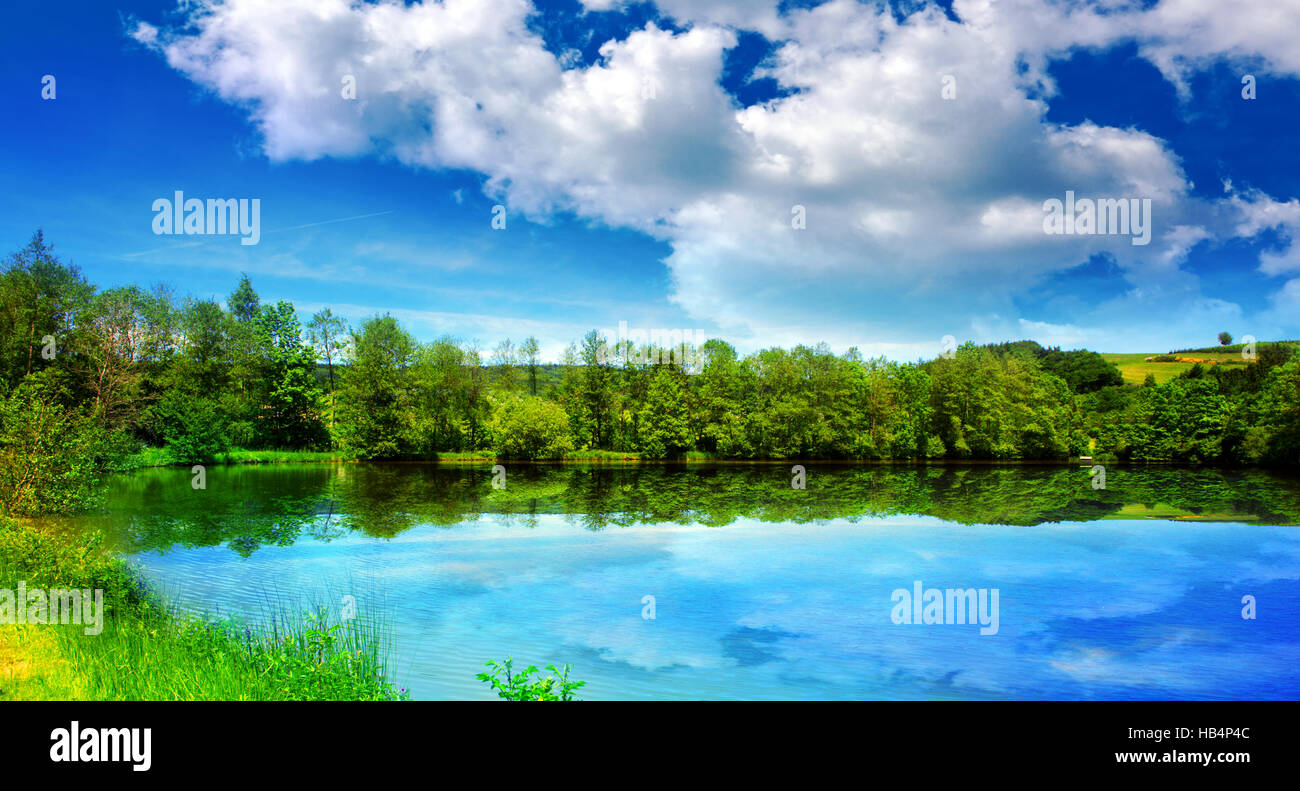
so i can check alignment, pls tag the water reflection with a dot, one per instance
(1133, 591)
(246, 508)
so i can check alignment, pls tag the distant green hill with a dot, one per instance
(1234, 347)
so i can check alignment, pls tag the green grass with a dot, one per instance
(602, 455)
(149, 650)
(185, 658)
(575, 456)
(1171, 512)
(1135, 367)
(244, 456)
(472, 455)
(181, 657)
(161, 457)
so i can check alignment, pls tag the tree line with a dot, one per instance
(91, 375)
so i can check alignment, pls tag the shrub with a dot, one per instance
(526, 427)
(192, 427)
(32, 555)
(48, 453)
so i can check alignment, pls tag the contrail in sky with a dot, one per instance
(273, 230)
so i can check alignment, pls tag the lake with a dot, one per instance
(759, 590)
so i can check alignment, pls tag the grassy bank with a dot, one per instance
(160, 457)
(150, 650)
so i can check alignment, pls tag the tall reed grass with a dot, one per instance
(152, 649)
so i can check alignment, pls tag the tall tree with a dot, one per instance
(529, 352)
(474, 402)
(595, 387)
(289, 416)
(375, 416)
(441, 385)
(329, 337)
(113, 345)
(244, 307)
(244, 304)
(505, 360)
(40, 298)
(665, 425)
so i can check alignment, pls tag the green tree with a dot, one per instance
(528, 352)
(289, 416)
(992, 406)
(726, 398)
(664, 418)
(244, 399)
(505, 360)
(440, 390)
(244, 304)
(1084, 371)
(117, 337)
(473, 400)
(1278, 426)
(204, 362)
(376, 395)
(192, 427)
(40, 298)
(329, 336)
(594, 393)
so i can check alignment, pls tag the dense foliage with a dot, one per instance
(114, 370)
(50, 456)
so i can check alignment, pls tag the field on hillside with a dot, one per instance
(1135, 367)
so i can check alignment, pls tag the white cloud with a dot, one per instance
(756, 15)
(1258, 212)
(911, 199)
(1177, 36)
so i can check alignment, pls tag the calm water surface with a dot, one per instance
(760, 591)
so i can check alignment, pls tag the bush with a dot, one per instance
(49, 453)
(29, 554)
(192, 427)
(526, 427)
(934, 448)
(121, 452)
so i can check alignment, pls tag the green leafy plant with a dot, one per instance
(524, 427)
(522, 685)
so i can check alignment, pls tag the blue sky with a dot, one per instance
(649, 158)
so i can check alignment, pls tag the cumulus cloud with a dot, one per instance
(1258, 212)
(909, 166)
